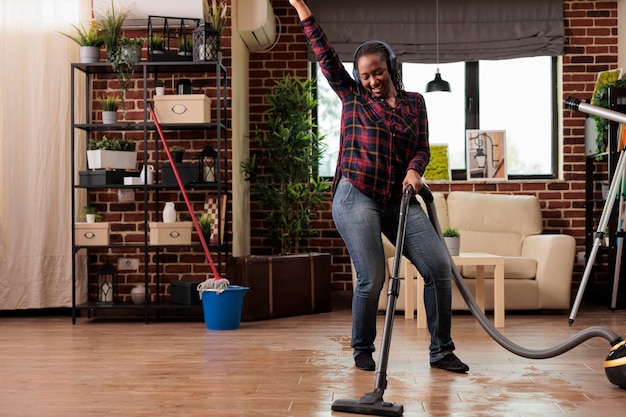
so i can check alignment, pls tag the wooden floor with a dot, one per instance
(294, 367)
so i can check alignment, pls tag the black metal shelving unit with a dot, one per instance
(214, 70)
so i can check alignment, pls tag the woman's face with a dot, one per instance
(375, 76)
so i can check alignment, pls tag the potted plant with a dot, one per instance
(206, 222)
(452, 237)
(280, 171)
(114, 153)
(601, 98)
(159, 87)
(177, 153)
(156, 44)
(185, 46)
(207, 37)
(123, 60)
(91, 215)
(90, 40)
(291, 150)
(109, 104)
(110, 22)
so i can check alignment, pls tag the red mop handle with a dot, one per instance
(182, 189)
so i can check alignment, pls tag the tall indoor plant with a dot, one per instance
(286, 184)
(207, 37)
(110, 22)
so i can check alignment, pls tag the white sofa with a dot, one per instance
(537, 267)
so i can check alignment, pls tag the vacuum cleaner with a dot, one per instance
(372, 403)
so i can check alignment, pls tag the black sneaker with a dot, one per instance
(450, 363)
(365, 362)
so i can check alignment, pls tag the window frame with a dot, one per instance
(472, 117)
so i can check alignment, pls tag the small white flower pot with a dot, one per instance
(454, 244)
(159, 91)
(109, 117)
(89, 54)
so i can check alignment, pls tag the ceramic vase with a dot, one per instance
(169, 213)
(138, 294)
(147, 174)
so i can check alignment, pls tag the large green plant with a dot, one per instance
(283, 171)
(110, 22)
(601, 98)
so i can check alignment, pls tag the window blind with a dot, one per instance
(469, 30)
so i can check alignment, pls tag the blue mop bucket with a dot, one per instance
(222, 308)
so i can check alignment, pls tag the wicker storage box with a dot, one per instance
(178, 233)
(92, 234)
(183, 108)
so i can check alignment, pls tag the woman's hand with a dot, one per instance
(301, 7)
(412, 177)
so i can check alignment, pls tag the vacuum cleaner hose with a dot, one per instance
(615, 363)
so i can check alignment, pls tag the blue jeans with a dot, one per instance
(360, 221)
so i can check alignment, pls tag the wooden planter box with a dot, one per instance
(283, 286)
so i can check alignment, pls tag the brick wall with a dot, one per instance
(591, 46)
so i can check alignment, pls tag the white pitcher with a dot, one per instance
(147, 174)
(169, 213)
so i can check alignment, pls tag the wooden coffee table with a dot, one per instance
(479, 260)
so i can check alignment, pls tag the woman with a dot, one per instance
(384, 148)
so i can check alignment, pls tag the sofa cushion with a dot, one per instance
(494, 223)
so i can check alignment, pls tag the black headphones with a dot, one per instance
(391, 60)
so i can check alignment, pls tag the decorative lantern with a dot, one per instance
(107, 284)
(206, 164)
(206, 44)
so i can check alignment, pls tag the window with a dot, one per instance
(515, 95)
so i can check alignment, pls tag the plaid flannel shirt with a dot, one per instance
(378, 143)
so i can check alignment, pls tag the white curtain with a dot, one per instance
(35, 174)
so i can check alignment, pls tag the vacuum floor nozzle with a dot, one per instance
(378, 408)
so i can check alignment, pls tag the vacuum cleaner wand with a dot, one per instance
(372, 403)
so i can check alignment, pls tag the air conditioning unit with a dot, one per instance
(256, 24)
(141, 9)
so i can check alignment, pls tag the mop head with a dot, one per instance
(213, 284)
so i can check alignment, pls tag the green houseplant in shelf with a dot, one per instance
(601, 98)
(116, 153)
(91, 215)
(90, 40)
(109, 104)
(177, 153)
(110, 22)
(206, 222)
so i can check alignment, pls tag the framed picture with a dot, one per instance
(438, 168)
(485, 154)
(217, 210)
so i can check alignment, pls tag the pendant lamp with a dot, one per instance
(438, 84)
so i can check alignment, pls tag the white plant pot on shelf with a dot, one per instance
(99, 159)
(109, 117)
(89, 54)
